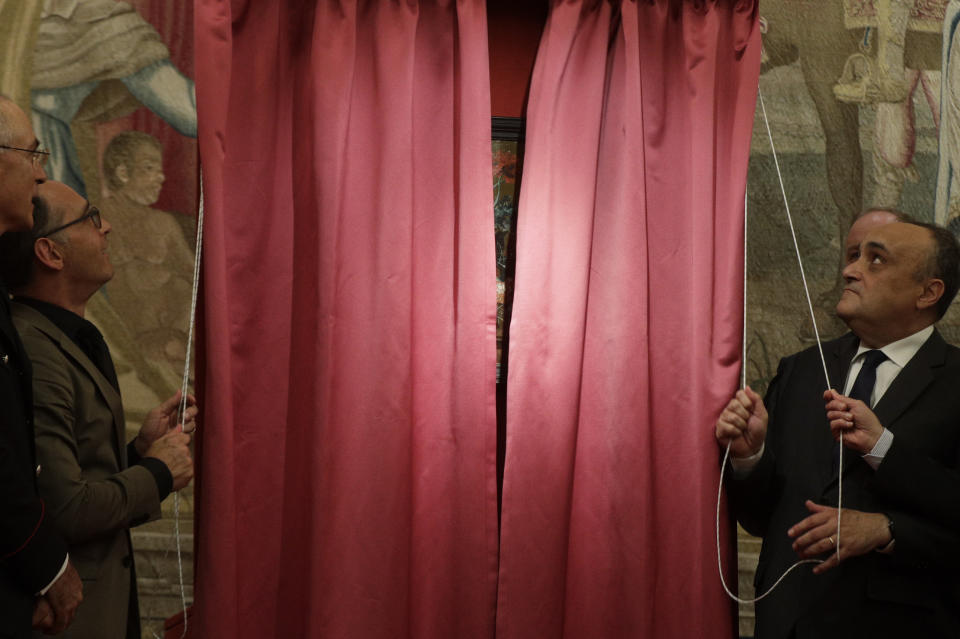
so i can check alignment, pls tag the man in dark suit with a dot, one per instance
(895, 571)
(38, 584)
(96, 485)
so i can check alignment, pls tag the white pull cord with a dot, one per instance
(743, 373)
(193, 307)
(793, 233)
(181, 409)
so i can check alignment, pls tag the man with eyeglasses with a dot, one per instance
(38, 584)
(96, 488)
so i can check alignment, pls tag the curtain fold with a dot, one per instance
(349, 485)
(625, 337)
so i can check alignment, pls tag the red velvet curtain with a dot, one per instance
(349, 485)
(626, 330)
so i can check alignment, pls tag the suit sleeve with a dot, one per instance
(912, 479)
(925, 498)
(754, 497)
(82, 506)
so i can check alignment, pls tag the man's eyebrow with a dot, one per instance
(878, 245)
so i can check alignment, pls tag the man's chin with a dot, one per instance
(843, 311)
(24, 223)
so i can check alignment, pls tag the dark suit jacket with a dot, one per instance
(31, 553)
(912, 591)
(93, 495)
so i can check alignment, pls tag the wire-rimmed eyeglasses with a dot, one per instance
(93, 213)
(38, 155)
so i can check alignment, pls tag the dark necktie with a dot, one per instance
(863, 386)
(862, 389)
(91, 342)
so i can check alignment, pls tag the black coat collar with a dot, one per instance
(909, 384)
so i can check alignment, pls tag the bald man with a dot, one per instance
(866, 222)
(899, 413)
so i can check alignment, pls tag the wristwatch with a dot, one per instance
(893, 537)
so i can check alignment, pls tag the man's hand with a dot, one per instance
(64, 596)
(817, 534)
(42, 614)
(860, 427)
(173, 449)
(163, 419)
(744, 423)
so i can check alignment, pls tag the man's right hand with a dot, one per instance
(173, 449)
(743, 423)
(64, 596)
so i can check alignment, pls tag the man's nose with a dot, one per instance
(851, 271)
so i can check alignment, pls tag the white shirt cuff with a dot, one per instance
(879, 450)
(742, 466)
(63, 569)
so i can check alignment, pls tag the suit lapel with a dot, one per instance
(67, 345)
(838, 356)
(912, 380)
(17, 360)
(14, 346)
(906, 387)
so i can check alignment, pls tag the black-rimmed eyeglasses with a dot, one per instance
(38, 155)
(93, 213)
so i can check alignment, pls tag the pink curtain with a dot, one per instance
(626, 328)
(349, 422)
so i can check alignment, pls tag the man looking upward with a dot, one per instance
(900, 419)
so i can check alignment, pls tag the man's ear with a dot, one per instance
(122, 174)
(932, 292)
(48, 253)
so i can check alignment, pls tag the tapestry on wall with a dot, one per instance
(108, 88)
(861, 117)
